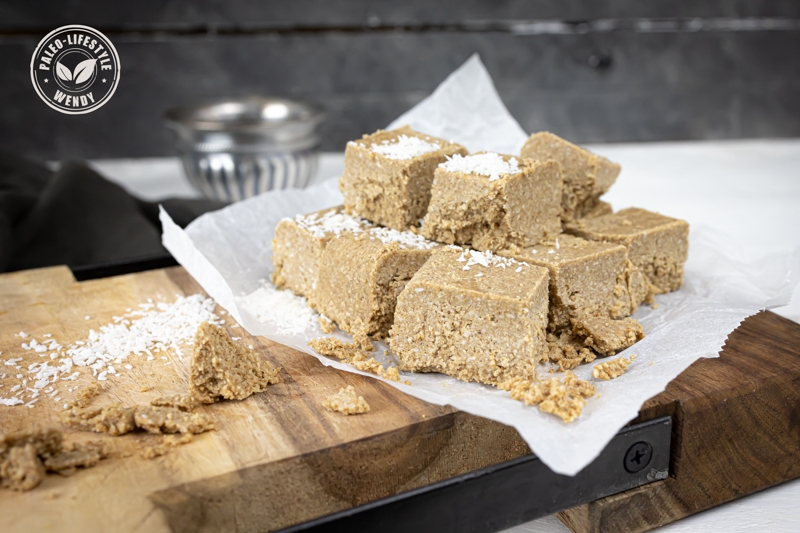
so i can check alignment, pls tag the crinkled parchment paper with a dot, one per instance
(228, 253)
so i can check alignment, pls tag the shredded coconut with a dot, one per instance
(153, 328)
(404, 147)
(288, 312)
(488, 164)
(334, 222)
(486, 259)
(10, 401)
(403, 238)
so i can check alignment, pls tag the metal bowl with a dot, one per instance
(238, 148)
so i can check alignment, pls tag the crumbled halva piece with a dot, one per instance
(326, 324)
(25, 457)
(183, 402)
(346, 402)
(221, 368)
(605, 335)
(567, 351)
(21, 469)
(391, 374)
(46, 441)
(171, 420)
(562, 397)
(611, 369)
(114, 419)
(333, 347)
(78, 455)
(167, 442)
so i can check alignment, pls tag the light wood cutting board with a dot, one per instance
(277, 458)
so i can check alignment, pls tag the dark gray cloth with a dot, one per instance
(76, 217)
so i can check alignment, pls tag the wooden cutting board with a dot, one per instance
(279, 458)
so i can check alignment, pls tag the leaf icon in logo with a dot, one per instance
(83, 71)
(63, 72)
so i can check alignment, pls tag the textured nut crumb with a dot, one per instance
(367, 365)
(611, 369)
(333, 347)
(114, 419)
(167, 442)
(221, 368)
(84, 455)
(326, 324)
(564, 398)
(21, 468)
(46, 442)
(86, 395)
(608, 336)
(184, 402)
(151, 452)
(567, 351)
(407, 382)
(25, 457)
(362, 340)
(346, 402)
(392, 374)
(356, 353)
(171, 420)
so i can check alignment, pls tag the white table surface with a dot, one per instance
(747, 190)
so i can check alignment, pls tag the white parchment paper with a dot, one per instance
(229, 253)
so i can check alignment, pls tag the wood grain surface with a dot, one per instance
(736, 430)
(276, 459)
(279, 458)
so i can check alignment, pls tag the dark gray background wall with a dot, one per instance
(604, 70)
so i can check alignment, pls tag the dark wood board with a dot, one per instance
(736, 430)
(278, 458)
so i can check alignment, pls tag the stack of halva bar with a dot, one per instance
(480, 266)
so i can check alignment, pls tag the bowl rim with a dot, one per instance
(183, 117)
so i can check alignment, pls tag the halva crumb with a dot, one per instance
(326, 324)
(171, 420)
(611, 369)
(167, 442)
(346, 402)
(26, 456)
(184, 402)
(564, 398)
(333, 347)
(221, 368)
(567, 351)
(392, 374)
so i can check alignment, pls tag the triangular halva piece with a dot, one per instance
(222, 368)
